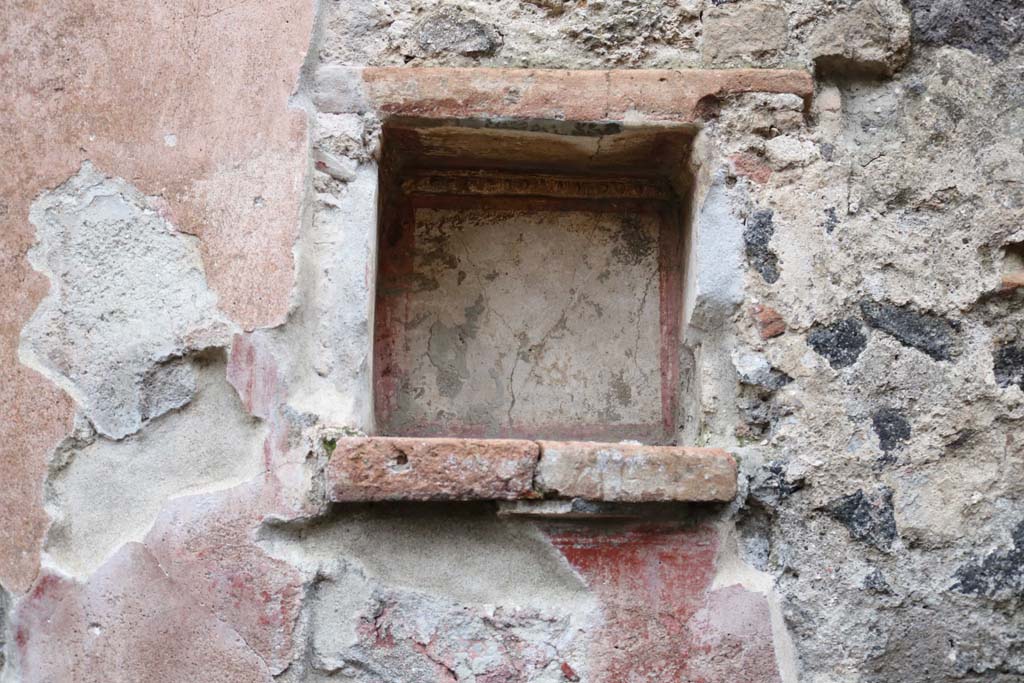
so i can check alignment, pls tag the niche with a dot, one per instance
(530, 280)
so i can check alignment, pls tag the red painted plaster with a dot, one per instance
(661, 621)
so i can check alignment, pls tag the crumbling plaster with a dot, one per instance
(153, 93)
(877, 535)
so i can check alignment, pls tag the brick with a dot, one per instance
(1013, 280)
(769, 322)
(751, 166)
(393, 468)
(633, 473)
(585, 95)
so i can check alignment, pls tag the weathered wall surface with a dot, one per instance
(587, 325)
(188, 267)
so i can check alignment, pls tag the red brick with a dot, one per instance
(1013, 280)
(769, 322)
(652, 94)
(633, 473)
(750, 166)
(392, 468)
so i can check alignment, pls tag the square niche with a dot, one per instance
(530, 280)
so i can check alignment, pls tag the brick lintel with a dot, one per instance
(364, 469)
(675, 96)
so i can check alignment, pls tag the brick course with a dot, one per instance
(399, 468)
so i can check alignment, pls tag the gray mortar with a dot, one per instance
(457, 572)
(210, 444)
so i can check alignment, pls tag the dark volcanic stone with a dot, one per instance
(757, 234)
(868, 517)
(875, 582)
(1009, 365)
(453, 31)
(987, 27)
(774, 485)
(840, 343)
(831, 220)
(927, 333)
(892, 428)
(1000, 573)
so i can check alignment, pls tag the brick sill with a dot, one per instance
(364, 469)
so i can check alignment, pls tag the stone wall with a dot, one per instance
(189, 220)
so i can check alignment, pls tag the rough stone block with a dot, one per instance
(634, 473)
(872, 37)
(366, 469)
(744, 33)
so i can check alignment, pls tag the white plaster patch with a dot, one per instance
(128, 296)
(446, 581)
(110, 492)
(337, 264)
(716, 268)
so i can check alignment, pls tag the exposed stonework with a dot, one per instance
(744, 33)
(982, 26)
(870, 37)
(927, 333)
(452, 31)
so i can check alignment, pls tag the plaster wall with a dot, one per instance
(190, 258)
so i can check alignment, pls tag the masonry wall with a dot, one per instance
(189, 211)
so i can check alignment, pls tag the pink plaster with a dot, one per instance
(112, 83)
